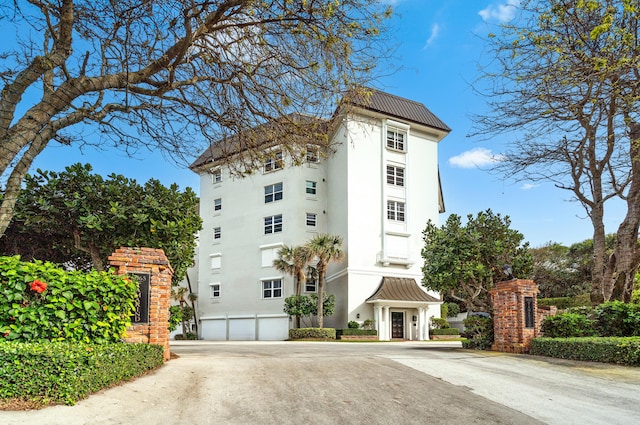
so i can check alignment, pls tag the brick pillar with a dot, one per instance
(153, 269)
(512, 301)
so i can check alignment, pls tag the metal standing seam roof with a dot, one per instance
(399, 107)
(400, 289)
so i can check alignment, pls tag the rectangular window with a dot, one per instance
(312, 219)
(272, 288)
(217, 176)
(217, 234)
(310, 285)
(313, 155)
(217, 204)
(273, 224)
(274, 162)
(311, 187)
(395, 175)
(214, 289)
(395, 139)
(272, 192)
(395, 210)
(216, 261)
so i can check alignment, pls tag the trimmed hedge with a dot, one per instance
(351, 331)
(625, 351)
(445, 331)
(65, 372)
(564, 303)
(315, 333)
(568, 325)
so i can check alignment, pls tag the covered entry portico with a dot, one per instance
(401, 309)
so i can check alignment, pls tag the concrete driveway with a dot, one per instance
(357, 383)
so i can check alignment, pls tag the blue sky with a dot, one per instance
(439, 45)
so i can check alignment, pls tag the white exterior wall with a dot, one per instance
(241, 312)
(361, 161)
(351, 201)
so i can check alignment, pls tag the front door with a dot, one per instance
(397, 324)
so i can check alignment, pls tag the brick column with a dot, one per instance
(151, 262)
(512, 331)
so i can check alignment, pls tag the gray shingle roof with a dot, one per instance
(400, 289)
(399, 107)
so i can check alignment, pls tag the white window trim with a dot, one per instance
(315, 189)
(275, 162)
(211, 257)
(274, 192)
(273, 224)
(315, 219)
(217, 210)
(211, 285)
(396, 210)
(219, 229)
(395, 175)
(271, 279)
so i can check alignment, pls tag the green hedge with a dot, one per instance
(446, 331)
(351, 331)
(316, 333)
(65, 372)
(619, 350)
(42, 302)
(565, 302)
(568, 325)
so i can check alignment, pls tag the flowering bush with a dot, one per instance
(38, 286)
(42, 302)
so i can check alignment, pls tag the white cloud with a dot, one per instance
(528, 186)
(435, 31)
(503, 12)
(475, 158)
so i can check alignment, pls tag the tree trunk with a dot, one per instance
(599, 255)
(193, 305)
(321, 273)
(621, 269)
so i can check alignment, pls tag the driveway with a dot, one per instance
(357, 383)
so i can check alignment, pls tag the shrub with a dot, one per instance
(369, 324)
(453, 309)
(353, 324)
(564, 303)
(352, 331)
(65, 372)
(479, 332)
(567, 325)
(616, 318)
(190, 336)
(42, 302)
(446, 331)
(439, 323)
(315, 333)
(608, 350)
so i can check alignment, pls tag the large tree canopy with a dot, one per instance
(463, 261)
(78, 219)
(564, 89)
(168, 74)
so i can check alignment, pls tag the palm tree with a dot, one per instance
(293, 261)
(326, 248)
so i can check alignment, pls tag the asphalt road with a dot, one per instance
(357, 383)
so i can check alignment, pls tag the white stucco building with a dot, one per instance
(377, 191)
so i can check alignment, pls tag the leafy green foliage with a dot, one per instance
(464, 261)
(451, 309)
(65, 372)
(565, 302)
(479, 332)
(616, 318)
(175, 317)
(314, 333)
(619, 350)
(439, 323)
(353, 324)
(78, 218)
(356, 331)
(568, 325)
(326, 249)
(307, 305)
(75, 306)
(445, 331)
